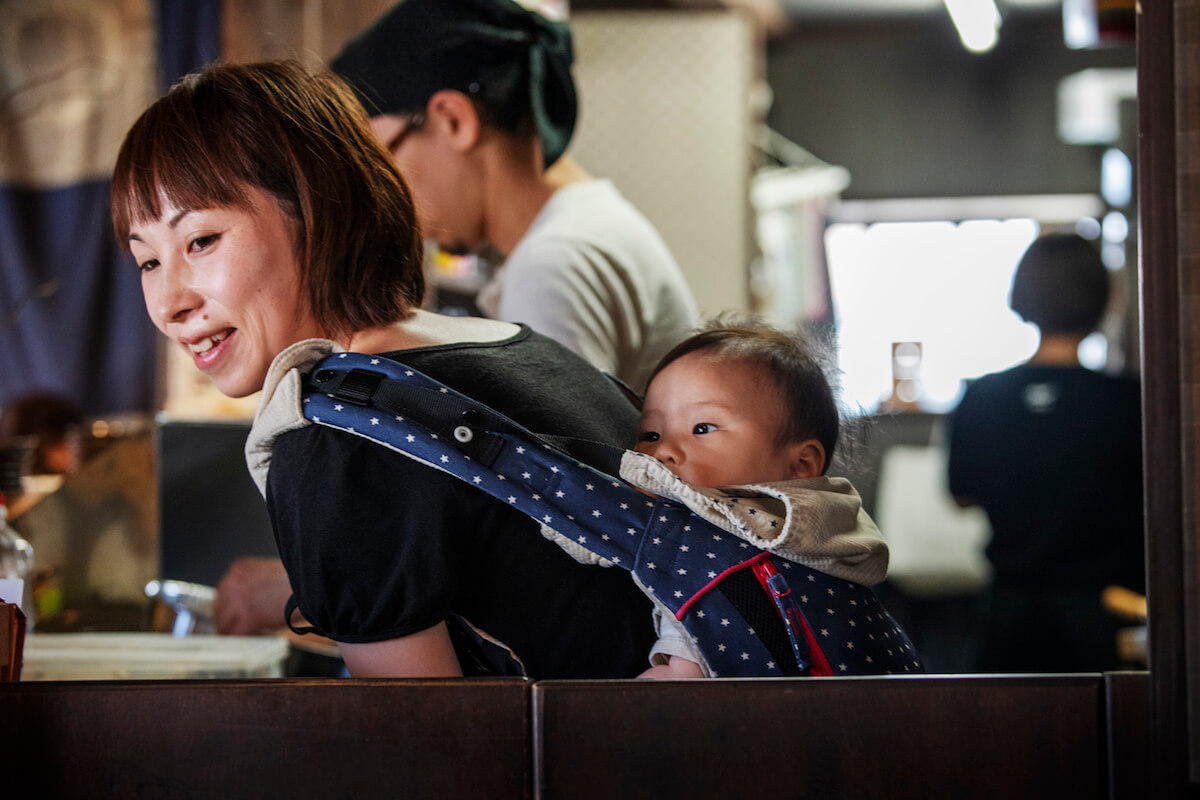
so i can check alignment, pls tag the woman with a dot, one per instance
(262, 212)
(1052, 452)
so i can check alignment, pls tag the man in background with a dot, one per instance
(476, 103)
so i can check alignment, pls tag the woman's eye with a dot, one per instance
(648, 436)
(203, 242)
(703, 427)
(148, 264)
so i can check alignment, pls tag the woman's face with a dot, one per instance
(224, 283)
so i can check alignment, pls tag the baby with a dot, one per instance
(744, 404)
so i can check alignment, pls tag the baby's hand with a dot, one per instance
(675, 669)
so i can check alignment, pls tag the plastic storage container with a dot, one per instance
(137, 656)
(16, 562)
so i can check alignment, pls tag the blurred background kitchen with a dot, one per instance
(870, 169)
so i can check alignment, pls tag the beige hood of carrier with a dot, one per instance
(817, 522)
(280, 406)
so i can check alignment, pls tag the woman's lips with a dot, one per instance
(209, 342)
(208, 350)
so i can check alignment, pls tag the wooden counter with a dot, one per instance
(1029, 736)
(283, 738)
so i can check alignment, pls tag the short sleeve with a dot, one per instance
(366, 534)
(673, 640)
(556, 288)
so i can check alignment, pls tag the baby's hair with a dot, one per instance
(790, 360)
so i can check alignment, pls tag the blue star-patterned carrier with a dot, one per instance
(750, 613)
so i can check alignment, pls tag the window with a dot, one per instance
(942, 284)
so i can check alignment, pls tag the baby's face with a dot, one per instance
(713, 422)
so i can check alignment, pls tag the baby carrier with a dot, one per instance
(749, 612)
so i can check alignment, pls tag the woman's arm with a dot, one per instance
(425, 654)
(367, 564)
(251, 597)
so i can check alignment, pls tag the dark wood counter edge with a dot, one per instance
(268, 683)
(927, 736)
(289, 737)
(1099, 718)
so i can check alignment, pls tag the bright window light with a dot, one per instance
(942, 284)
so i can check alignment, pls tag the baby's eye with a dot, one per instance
(648, 436)
(703, 427)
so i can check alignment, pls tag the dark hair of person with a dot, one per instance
(512, 62)
(46, 417)
(1061, 285)
(810, 409)
(302, 138)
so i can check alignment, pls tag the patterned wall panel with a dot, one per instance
(75, 75)
(310, 30)
(665, 113)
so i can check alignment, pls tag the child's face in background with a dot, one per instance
(713, 421)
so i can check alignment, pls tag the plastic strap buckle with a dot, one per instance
(358, 386)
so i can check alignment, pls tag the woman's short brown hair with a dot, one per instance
(303, 138)
(1061, 285)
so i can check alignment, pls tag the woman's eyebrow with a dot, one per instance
(171, 223)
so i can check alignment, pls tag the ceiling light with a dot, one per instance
(977, 21)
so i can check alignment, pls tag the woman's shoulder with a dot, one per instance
(425, 330)
(1022, 374)
(537, 382)
(1070, 386)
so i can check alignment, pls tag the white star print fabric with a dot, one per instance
(682, 561)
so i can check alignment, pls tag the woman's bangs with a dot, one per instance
(160, 168)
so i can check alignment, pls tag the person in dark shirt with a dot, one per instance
(1052, 452)
(264, 217)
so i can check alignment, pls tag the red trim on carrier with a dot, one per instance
(763, 571)
(706, 588)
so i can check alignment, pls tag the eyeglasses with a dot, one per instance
(413, 123)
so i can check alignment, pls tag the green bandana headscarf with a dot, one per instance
(514, 60)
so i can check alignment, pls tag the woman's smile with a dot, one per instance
(208, 350)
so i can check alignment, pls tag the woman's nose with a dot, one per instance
(174, 295)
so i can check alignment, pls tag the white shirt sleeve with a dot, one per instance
(673, 640)
(563, 292)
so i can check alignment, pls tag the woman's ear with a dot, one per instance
(806, 459)
(454, 115)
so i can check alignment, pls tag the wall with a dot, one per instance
(912, 114)
(665, 113)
